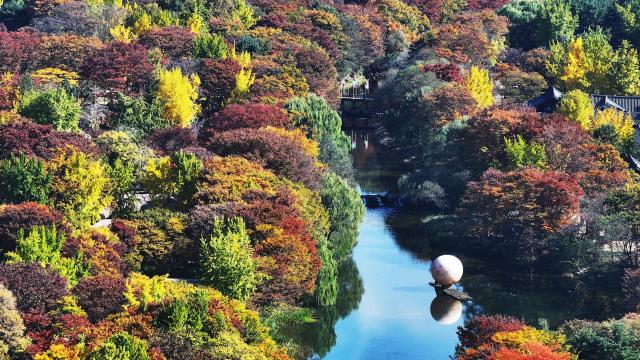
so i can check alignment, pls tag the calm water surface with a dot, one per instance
(393, 318)
(385, 307)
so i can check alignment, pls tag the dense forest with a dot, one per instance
(175, 183)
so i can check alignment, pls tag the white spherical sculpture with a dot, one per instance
(446, 270)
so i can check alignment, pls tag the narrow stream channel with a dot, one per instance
(393, 318)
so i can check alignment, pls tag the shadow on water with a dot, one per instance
(386, 310)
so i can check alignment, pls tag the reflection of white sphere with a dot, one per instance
(446, 270)
(445, 309)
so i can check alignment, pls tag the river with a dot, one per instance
(385, 307)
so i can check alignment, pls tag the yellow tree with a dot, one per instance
(621, 123)
(122, 33)
(480, 87)
(178, 94)
(575, 68)
(577, 106)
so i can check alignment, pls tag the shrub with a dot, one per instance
(218, 81)
(187, 314)
(237, 116)
(12, 330)
(43, 141)
(121, 346)
(173, 177)
(79, 187)
(612, 339)
(34, 287)
(227, 259)
(100, 295)
(173, 139)
(577, 106)
(631, 288)
(138, 114)
(53, 107)
(284, 156)
(44, 245)
(209, 46)
(520, 154)
(174, 41)
(514, 211)
(119, 67)
(480, 87)
(23, 179)
(25, 216)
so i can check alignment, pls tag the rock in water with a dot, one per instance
(446, 270)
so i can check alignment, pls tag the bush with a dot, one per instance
(23, 179)
(53, 107)
(119, 67)
(227, 259)
(138, 114)
(208, 46)
(174, 41)
(236, 116)
(121, 346)
(43, 141)
(12, 330)
(218, 81)
(34, 287)
(25, 216)
(612, 339)
(100, 295)
(284, 156)
(173, 177)
(44, 245)
(79, 188)
(173, 139)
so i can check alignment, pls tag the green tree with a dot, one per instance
(24, 179)
(207, 46)
(44, 245)
(173, 177)
(226, 259)
(629, 14)
(577, 106)
(122, 180)
(523, 16)
(556, 21)
(322, 123)
(121, 346)
(55, 107)
(79, 187)
(521, 154)
(186, 314)
(138, 115)
(625, 71)
(345, 214)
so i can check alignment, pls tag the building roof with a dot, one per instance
(629, 104)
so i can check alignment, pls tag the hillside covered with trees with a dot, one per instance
(175, 183)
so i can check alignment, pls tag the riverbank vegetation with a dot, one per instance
(550, 193)
(171, 170)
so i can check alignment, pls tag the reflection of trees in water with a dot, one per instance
(350, 291)
(319, 337)
(527, 296)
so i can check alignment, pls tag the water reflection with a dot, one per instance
(446, 310)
